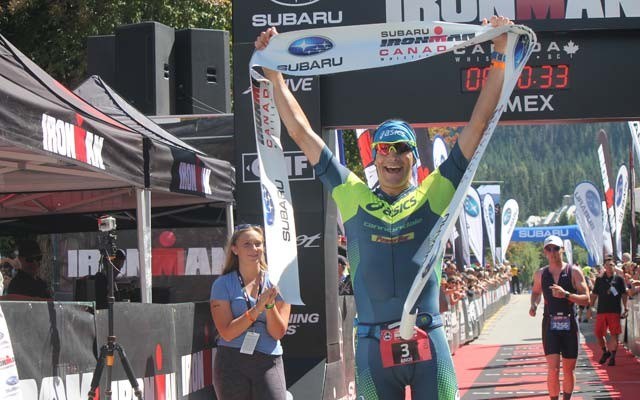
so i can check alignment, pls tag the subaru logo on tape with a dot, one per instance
(593, 202)
(294, 3)
(471, 206)
(506, 217)
(267, 203)
(12, 380)
(523, 43)
(310, 45)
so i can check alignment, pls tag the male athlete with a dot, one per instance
(384, 229)
(609, 290)
(562, 286)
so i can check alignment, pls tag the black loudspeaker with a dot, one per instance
(203, 83)
(144, 72)
(101, 57)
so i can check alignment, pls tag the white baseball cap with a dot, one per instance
(554, 240)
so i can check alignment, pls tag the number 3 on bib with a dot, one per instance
(397, 351)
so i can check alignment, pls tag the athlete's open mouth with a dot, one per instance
(393, 170)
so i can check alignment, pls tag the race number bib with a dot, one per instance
(396, 351)
(560, 323)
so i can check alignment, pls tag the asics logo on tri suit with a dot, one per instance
(395, 209)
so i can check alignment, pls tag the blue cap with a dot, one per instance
(393, 131)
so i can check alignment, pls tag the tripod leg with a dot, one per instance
(129, 371)
(97, 373)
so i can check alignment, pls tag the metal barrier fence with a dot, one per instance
(633, 326)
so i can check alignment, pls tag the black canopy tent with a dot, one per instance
(166, 152)
(61, 155)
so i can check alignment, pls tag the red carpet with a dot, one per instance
(519, 372)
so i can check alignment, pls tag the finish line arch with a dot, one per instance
(539, 233)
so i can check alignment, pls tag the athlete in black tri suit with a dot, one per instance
(384, 229)
(562, 286)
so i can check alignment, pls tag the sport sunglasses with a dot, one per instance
(398, 147)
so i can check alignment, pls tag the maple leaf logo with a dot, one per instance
(571, 48)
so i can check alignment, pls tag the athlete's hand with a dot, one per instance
(261, 43)
(500, 42)
(532, 310)
(558, 291)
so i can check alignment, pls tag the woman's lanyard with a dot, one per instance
(244, 290)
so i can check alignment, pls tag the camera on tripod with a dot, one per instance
(107, 242)
(107, 236)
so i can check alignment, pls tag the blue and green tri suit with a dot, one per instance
(383, 234)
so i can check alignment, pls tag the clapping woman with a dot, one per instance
(251, 318)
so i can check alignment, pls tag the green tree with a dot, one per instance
(352, 154)
(527, 257)
(54, 33)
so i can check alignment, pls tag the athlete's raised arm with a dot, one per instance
(290, 111)
(489, 96)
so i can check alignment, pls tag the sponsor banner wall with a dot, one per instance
(9, 380)
(253, 16)
(250, 17)
(195, 351)
(539, 15)
(147, 333)
(54, 348)
(306, 190)
(177, 255)
(171, 349)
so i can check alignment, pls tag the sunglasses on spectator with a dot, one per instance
(242, 227)
(398, 148)
(552, 249)
(37, 258)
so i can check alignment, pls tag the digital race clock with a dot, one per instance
(533, 77)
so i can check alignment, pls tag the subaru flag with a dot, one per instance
(489, 212)
(473, 214)
(509, 218)
(634, 127)
(590, 218)
(607, 236)
(568, 251)
(622, 186)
